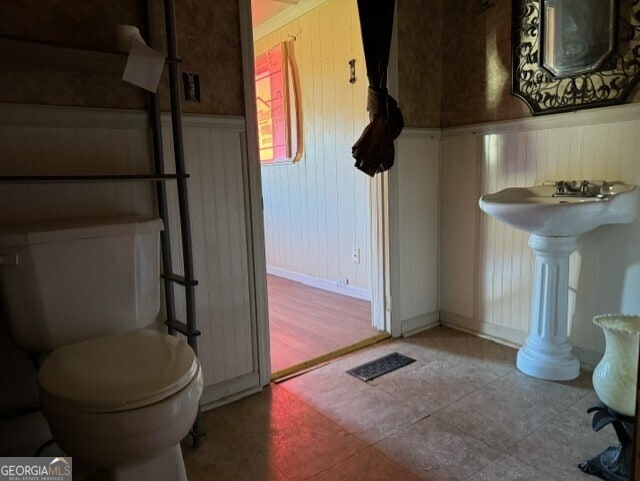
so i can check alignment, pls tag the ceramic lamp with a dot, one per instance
(615, 376)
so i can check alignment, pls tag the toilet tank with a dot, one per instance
(68, 280)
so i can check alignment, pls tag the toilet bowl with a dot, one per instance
(116, 394)
(123, 402)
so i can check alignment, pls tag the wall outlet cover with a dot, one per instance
(343, 281)
(191, 84)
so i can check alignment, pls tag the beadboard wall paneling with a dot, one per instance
(487, 267)
(69, 140)
(317, 210)
(68, 150)
(216, 200)
(418, 152)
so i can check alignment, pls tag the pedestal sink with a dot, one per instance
(555, 214)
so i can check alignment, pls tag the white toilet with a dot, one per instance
(116, 394)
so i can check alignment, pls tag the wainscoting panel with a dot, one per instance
(418, 152)
(216, 196)
(54, 140)
(487, 267)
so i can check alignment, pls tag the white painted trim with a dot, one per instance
(288, 15)
(380, 295)
(22, 115)
(429, 133)
(508, 337)
(494, 332)
(420, 323)
(382, 258)
(588, 359)
(324, 284)
(440, 229)
(233, 123)
(228, 391)
(389, 209)
(602, 115)
(393, 246)
(257, 252)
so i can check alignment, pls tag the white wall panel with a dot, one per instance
(214, 161)
(418, 152)
(50, 140)
(458, 224)
(318, 209)
(487, 267)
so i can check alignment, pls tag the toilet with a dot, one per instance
(117, 394)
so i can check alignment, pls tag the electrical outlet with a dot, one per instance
(355, 255)
(343, 281)
(191, 84)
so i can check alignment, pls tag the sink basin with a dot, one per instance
(536, 210)
(555, 223)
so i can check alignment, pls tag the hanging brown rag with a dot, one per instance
(374, 150)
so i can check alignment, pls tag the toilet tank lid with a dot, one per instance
(59, 230)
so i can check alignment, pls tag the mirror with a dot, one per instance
(573, 54)
(577, 35)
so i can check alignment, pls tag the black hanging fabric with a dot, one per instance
(374, 150)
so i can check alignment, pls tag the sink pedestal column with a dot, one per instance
(546, 353)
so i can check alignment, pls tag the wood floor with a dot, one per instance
(306, 322)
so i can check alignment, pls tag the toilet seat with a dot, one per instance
(119, 372)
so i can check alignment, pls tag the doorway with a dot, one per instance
(322, 259)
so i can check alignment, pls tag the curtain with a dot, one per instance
(374, 150)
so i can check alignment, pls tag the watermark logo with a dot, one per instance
(36, 469)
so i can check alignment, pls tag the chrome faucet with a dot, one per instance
(580, 188)
(584, 187)
(574, 188)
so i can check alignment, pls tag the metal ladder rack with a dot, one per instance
(187, 280)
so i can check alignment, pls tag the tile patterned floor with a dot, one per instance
(461, 412)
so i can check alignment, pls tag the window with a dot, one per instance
(278, 105)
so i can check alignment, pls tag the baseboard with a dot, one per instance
(357, 292)
(509, 337)
(419, 323)
(229, 391)
(588, 358)
(493, 332)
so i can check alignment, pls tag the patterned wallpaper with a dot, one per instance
(476, 64)
(476, 67)
(454, 57)
(208, 43)
(419, 61)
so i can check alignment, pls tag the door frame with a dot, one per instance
(384, 228)
(383, 190)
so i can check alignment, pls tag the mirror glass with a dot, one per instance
(574, 54)
(577, 35)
